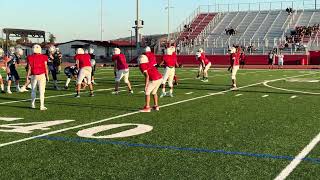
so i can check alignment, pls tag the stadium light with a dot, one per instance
(168, 8)
(101, 19)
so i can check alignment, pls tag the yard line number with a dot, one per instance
(131, 129)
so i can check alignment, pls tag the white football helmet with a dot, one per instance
(52, 49)
(142, 59)
(80, 51)
(19, 52)
(200, 50)
(233, 50)
(37, 49)
(12, 49)
(86, 51)
(198, 54)
(91, 50)
(168, 51)
(147, 49)
(116, 51)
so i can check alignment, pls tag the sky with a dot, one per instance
(80, 19)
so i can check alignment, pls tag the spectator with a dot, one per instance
(280, 60)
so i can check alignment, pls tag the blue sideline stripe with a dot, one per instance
(197, 150)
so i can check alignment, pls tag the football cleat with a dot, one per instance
(145, 109)
(163, 95)
(66, 87)
(156, 108)
(170, 95)
(91, 95)
(115, 92)
(9, 92)
(131, 92)
(77, 96)
(43, 108)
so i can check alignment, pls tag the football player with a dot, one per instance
(153, 80)
(11, 64)
(71, 72)
(93, 64)
(151, 57)
(121, 70)
(205, 64)
(1, 79)
(38, 71)
(52, 64)
(234, 62)
(83, 63)
(200, 70)
(169, 62)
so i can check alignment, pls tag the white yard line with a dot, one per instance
(264, 96)
(292, 97)
(189, 93)
(297, 160)
(239, 95)
(288, 90)
(9, 119)
(132, 113)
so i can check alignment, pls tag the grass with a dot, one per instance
(221, 136)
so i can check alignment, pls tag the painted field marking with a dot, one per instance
(8, 119)
(239, 95)
(141, 92)
(297, 160)
(292, 97)
(288, 90)
(130, 114)
(189, 93)
(264, 96)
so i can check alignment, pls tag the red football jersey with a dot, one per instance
(169, 61)
(235, 58)
(151, 58)
(37, 63)
(121, 61)
(151, 70)
(84, 60)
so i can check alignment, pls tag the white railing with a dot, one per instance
(180, 29)
(265, 18)
(236, 28)
(265, 36)
(210, 26)
(249, 26)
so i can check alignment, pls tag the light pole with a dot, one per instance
(137, 27)
(168, 8)
(130, 44)
(101, 19)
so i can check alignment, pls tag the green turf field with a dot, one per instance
(205, 131)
